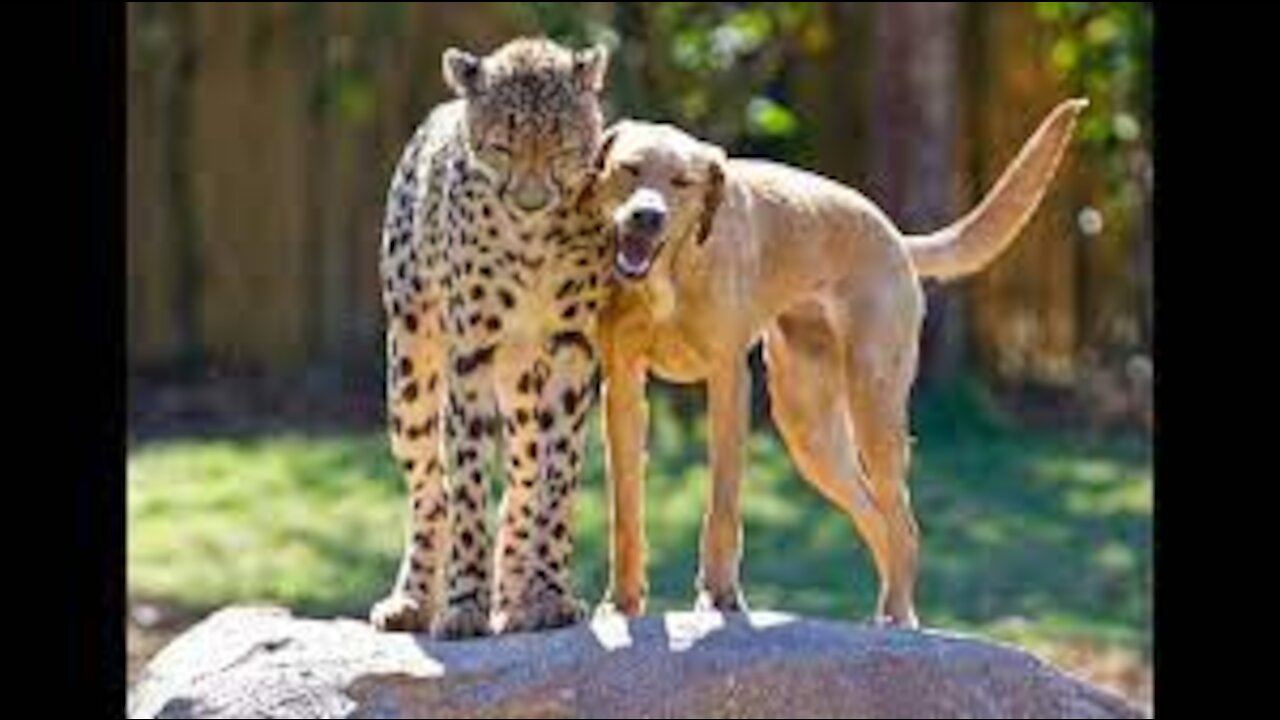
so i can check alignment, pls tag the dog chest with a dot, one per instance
(674, 356)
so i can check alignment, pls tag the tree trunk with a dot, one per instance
(913, 133)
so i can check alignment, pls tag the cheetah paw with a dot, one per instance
(459, 622)
(544, 613)
(401, 613)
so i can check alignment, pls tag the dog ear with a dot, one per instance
(712, 197)
(606, 144)
(597, 165)
(463, 72)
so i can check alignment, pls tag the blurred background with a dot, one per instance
(261, 138)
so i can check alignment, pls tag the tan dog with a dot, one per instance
(716, 253)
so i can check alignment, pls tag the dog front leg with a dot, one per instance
(728, 392)
(626, 419)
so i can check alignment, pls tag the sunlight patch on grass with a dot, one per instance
(1014, 524)
(288, 519)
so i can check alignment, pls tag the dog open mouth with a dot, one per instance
(635, 254)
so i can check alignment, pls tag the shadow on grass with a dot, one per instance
(1051, 528)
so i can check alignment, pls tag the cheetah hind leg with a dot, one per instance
(550, 611)
(539, 595)
(401, 613)
(460, 621)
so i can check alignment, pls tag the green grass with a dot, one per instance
(1029, 536)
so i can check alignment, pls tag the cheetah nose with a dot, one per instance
(531, 197)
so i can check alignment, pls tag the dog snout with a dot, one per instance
(648, 219)
(645, 212)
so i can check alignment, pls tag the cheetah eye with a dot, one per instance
(565, 164)
(496, 155)
(568, 158)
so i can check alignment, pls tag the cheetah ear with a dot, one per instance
(589, 68)
(713, 195)
(463, 72)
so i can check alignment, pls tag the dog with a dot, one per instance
(713, 254)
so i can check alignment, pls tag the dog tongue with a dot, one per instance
(634, 249)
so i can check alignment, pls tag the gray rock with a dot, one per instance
(264, 663)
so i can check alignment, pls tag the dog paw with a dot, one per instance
(630, 606)
(401, 613)
(545, 613)
(907, 621)
(461, 621)
(723, 601)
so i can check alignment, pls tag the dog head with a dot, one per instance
(658, 186)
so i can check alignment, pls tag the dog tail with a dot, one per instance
(969, 244)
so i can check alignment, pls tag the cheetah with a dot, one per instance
(492, 280)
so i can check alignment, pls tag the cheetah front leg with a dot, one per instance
(470, 421)
(535, 579)
(571, 391)
(520, 381)
(415, 359)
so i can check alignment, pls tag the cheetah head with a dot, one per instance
(533, 118)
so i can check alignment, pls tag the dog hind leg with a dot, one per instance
(880, 365)
(800, 348)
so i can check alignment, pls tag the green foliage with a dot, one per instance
(566, 22)
(1054, 530)
(1103, 50)
(711, 67)
(770, 118)
(345, 84)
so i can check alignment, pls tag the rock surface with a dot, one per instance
(264, 663)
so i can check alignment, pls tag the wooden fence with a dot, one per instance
(261, 137)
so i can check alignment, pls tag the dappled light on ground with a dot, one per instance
(1039, 539)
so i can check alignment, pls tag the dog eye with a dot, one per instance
(681, 181)
(631, 169)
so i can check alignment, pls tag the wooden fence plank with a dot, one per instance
(274, 262)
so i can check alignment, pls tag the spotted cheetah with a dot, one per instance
(492, 281)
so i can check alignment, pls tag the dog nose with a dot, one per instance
(648, 219)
